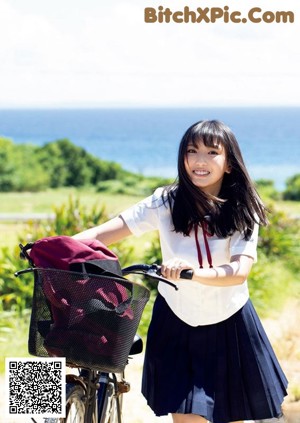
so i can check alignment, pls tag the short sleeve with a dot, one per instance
(239, 246)
(144, 216)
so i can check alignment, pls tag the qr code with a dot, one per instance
(35, 387)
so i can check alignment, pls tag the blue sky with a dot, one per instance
(95, 53)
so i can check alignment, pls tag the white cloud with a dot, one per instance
(103, 53)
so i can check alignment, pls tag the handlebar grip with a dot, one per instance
(187, 274)
(184, 274)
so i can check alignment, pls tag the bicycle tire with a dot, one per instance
(75, 406)
(113, 406)
(115, 409)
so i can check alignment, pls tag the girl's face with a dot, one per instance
(205, 166)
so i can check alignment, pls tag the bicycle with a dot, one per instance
(95, 394)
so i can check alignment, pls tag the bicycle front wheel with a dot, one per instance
(75, 406)
(112, 407)
(115, 410)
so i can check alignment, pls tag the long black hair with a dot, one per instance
(237, 206)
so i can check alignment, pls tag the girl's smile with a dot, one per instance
(201, 172)
(205, 166)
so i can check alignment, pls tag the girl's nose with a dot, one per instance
(200, 158)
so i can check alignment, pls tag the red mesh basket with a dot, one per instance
(89, 319)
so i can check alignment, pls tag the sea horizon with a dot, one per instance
(145, 139)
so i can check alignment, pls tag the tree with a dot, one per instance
(292, 191)
(19, 168)
(7, 170)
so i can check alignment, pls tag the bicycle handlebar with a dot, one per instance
(154, 271)
(149, 268)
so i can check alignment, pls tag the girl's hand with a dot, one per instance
(172, 268)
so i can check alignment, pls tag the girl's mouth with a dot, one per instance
(201, 172)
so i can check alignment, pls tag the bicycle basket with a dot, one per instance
(89, 319)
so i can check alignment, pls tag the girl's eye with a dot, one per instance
(191, 150)
(213, 152)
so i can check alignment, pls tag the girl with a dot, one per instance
(207, 355)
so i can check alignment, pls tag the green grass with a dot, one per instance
(13, 335)
(292, 208)
(9, 233)
(271, 285)
(43, 202)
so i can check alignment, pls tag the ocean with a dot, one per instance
(146, 140)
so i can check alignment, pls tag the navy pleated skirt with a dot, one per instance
(224, 372)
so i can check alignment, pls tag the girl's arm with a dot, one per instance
(109, 232)
(233, 273)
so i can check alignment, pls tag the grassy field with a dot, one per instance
(292, 208)
(13, 336)
(43, 202)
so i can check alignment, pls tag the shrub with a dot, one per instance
(16, 293)
(267, 189)
(70, 165)
(281, 238)
(70, 218)
(292, 191)
(271, 283)
(19, 168)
